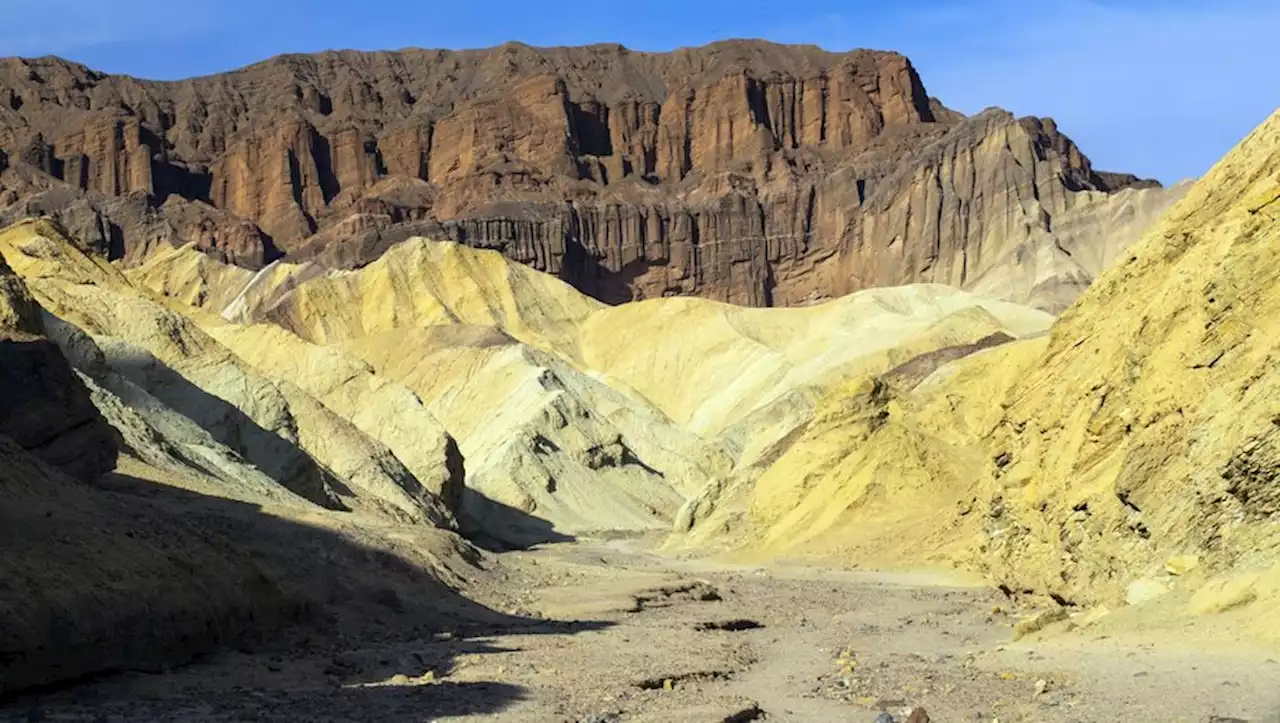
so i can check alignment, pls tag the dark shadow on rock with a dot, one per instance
(586, 272)
(277, 457)
(497, 527)
(46, 410)
(390, 703)
(490, 524)
(909, 374)
(133, 575)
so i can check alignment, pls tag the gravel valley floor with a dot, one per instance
(602, 631)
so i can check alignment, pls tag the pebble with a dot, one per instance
(1042, 685)
(885, 718)
(918, 715)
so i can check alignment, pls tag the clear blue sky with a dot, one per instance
(1161, 88)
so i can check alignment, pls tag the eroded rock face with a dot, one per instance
(131, 228)
(46, 409)
(743, 171)
(1001, 205)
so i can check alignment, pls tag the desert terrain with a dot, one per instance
(747, 382)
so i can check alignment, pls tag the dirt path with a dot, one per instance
(618, 634)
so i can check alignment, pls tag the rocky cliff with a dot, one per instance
(742, 171)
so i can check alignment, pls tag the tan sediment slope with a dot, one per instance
(237, 294)
(423, 283)
(1129, 455)
(381, 408)
(887, 471)
(752, 378)
(703, 363)
(486, 344)
(543, 438)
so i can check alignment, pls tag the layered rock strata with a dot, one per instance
(741, 171)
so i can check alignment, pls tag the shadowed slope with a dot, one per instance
(115, 331)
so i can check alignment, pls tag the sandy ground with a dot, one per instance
(612, 633)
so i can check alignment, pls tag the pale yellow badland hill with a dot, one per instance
(586, 416)
(1119, 459)
(1129, 458)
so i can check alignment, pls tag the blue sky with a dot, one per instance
(1161, 88)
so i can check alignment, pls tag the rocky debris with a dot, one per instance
(731, 626)
(674, 680)
(1145, 590)
(752, 712)
(675, 593)
(1181, 564)
(743, 171)
(1039, 621)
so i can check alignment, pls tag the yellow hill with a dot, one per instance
(1147, 429)
(567, 411)
(1130, 454)
(709, 365)
(438, 332)
(422, 283)
(158, 361)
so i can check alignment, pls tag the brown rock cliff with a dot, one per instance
(745, 171)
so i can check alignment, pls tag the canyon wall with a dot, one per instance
(743, 171)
